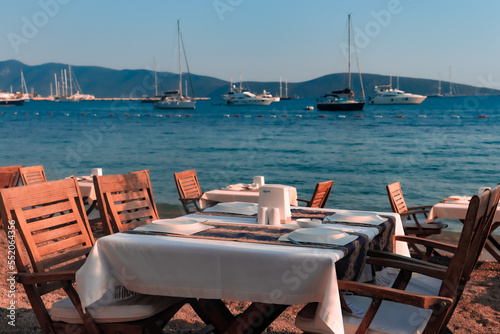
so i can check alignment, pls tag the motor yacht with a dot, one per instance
(242, 97)
(387, 95)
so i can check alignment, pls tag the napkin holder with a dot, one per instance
(276, 196)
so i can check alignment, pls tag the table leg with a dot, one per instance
(256, 318)
(215, 312)
(490, 246)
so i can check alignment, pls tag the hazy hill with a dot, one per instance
(105, 82)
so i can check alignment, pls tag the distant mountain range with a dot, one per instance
(105, 82)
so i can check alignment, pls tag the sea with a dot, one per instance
(444, 146)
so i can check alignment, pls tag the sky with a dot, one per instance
(261, 40)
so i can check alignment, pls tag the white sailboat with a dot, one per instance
(175, 99)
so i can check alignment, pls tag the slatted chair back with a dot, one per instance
(481, 232)
(32, 175)
(321, 194)
(398, 204)
(189, 189)
(125, 201)
(9, 176)
(50, 222)
(475, 231)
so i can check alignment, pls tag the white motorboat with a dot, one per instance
(387, 95)
(243, 97)
(9, 99)
(174, 99)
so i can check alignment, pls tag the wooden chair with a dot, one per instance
(9, 176)
(433, 290)
(320, 195)
(409, 215)
(32, 174)
(189, 190)
(125, 201)
(52, 226)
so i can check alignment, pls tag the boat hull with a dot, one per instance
(243, 102)
(340, 106)
(11, 102)
(165, 104)
(398, 100)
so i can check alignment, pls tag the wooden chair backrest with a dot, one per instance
(125, 201)
(51, 222)
(9, 176)
(398, 204)
(482, 231)
(32, 175)
(187, 184)
(476, 229)
(321, 194)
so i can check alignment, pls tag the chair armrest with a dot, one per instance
(427, 243)
(410, 265)
(414, 212)
(304, 200)
(422, 207)
(38, 278)
(391, 256)
(398, 296)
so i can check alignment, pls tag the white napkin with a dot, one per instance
(176, 226)
(242, 208)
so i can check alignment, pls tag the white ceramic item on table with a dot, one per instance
(96, 171)
(258, 181)
(356, 217)
(262, 217)
(309, 223)
(328, 236)
(274, 216)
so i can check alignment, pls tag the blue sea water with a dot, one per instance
(436, 149)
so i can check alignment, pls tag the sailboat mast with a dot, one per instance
(179, 42)
(281, 88)
(286, 87)
(70, 81)
(349, 48)
(156, 77)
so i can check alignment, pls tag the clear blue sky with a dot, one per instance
(261, 40)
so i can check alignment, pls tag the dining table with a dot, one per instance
(227, 255)
(455, 207)
(87, 191)
(239, 192)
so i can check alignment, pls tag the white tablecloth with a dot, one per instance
(453, 210)
(250, 196)
(214, 269)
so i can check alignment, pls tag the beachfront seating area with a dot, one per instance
(146, 268)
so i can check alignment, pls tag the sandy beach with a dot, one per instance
(477, 312)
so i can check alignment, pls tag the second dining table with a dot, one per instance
(228, 256)
(239, 193)
(455, 207)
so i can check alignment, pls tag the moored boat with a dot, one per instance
(176, 99)
(343, 100)
(8, 99)
(387, 95)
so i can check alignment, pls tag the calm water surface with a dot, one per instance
(436, 149)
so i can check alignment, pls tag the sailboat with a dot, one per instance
(174, 99)
(343, 100)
